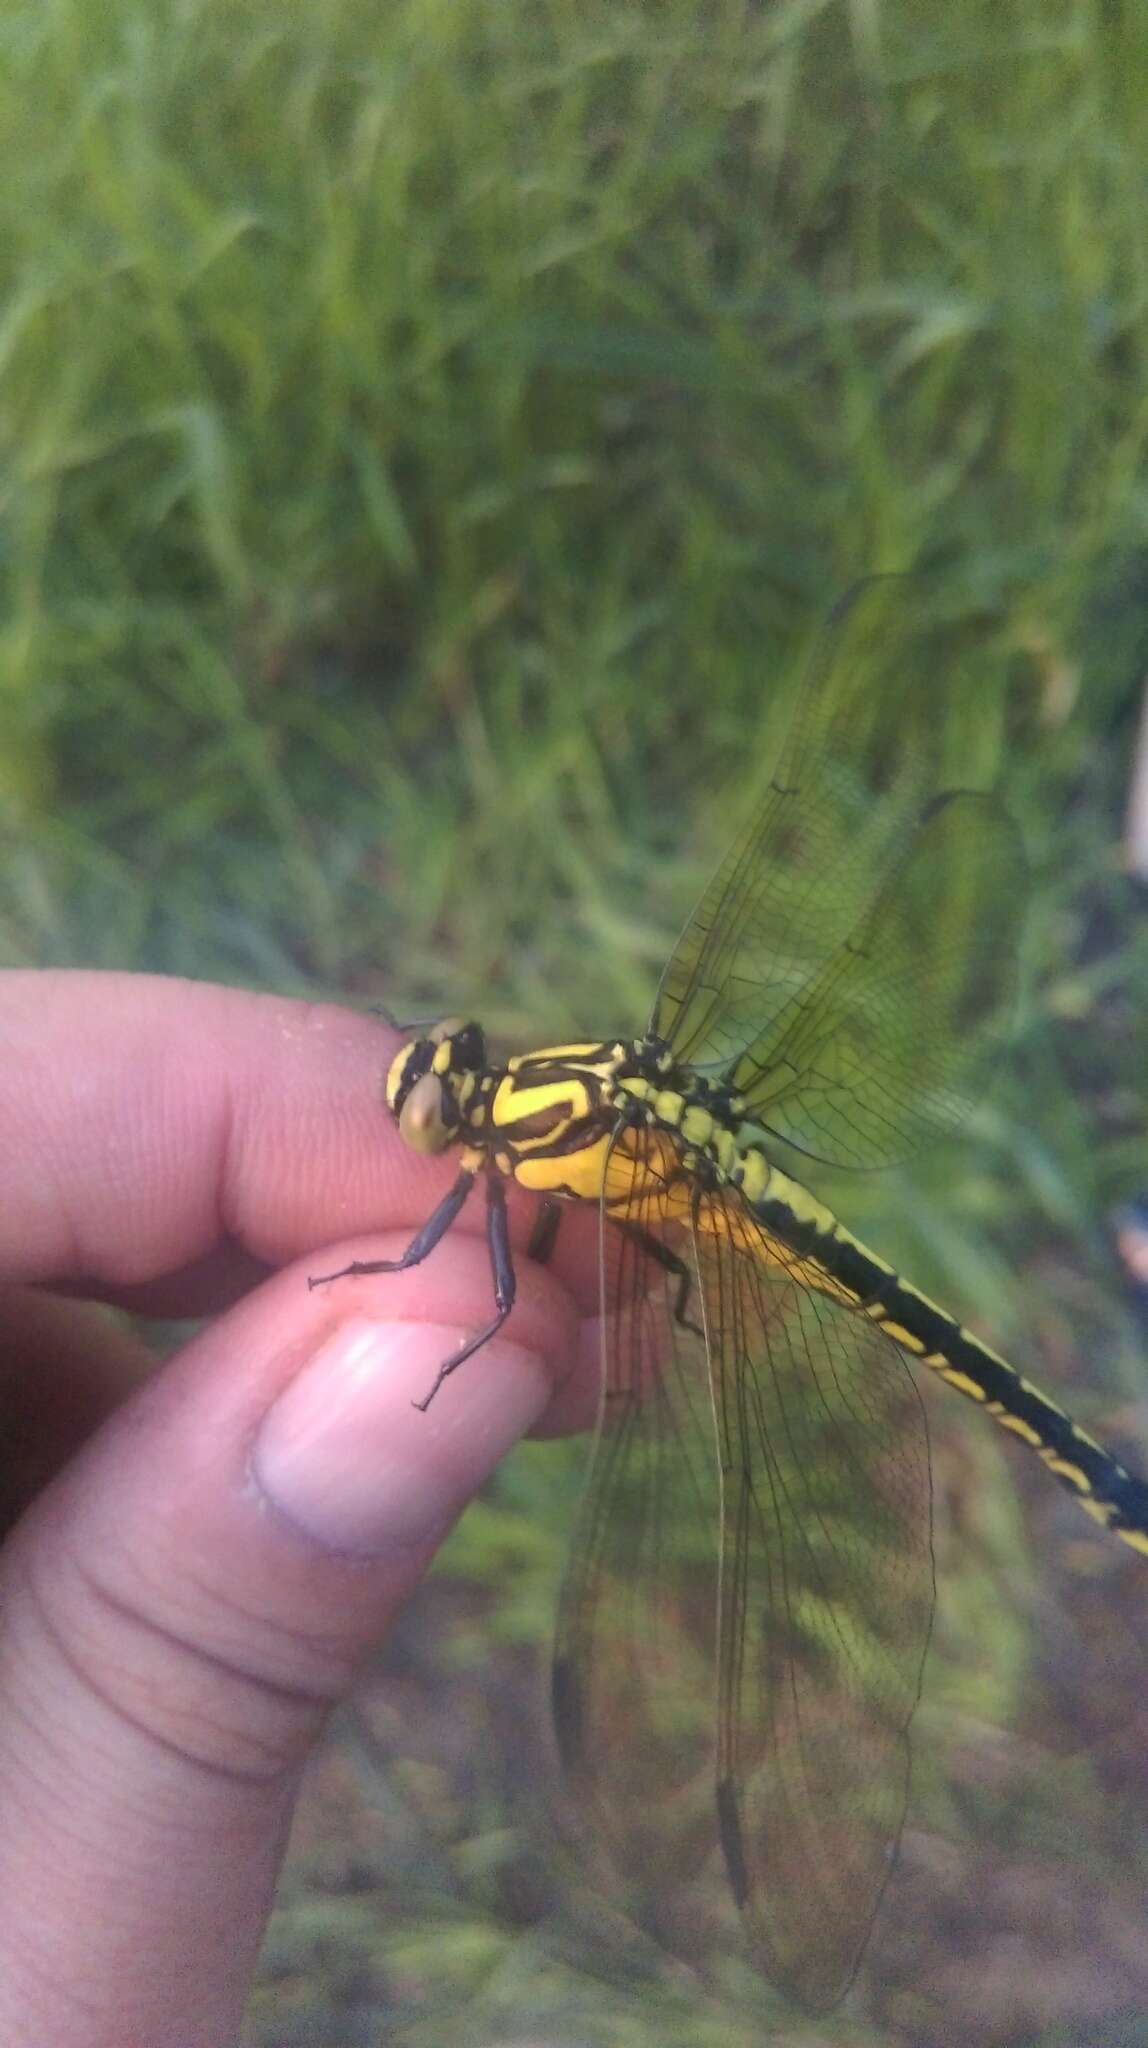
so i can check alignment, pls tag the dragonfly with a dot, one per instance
(750, 1590)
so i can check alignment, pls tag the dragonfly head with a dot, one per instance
(431, 1078)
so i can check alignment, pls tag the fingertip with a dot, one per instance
(575, 1396)
(362, 1452)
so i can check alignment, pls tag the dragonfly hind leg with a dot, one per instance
(544, 1234)
(671, 1262)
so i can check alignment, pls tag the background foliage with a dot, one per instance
(428, 436)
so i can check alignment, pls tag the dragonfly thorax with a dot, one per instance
(557, 1116)
(548, 1118)
(553, 1114)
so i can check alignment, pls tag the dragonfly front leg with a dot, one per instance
(422, 1243)
(505, 1284)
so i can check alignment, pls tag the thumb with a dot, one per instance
(186, 1602)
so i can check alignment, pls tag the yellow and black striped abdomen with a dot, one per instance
(835, 1262)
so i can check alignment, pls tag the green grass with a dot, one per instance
(428, 436)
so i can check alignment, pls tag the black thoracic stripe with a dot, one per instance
(529, 1071)
(573, 1138)
(525, 1078)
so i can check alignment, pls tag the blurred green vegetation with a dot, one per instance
(428, 437)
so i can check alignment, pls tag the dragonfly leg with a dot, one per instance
(545, 1231)
(423, 1242)
(505, 1286)
(657, 1249)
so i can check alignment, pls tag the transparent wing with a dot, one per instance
(852, 963)
(889, 1044)
(748, 1603)
(825, 1606)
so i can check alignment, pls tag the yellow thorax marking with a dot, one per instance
(538, 1101)
(540, 1093)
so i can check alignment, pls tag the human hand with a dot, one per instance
(198, 1569)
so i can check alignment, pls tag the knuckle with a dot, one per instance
(226, 1693)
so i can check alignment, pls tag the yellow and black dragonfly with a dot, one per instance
(750, 1592)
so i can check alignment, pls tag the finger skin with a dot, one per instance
(168, 1142)
(64, 1366)
(178, 1616)
(173, 1641)
(143, 1121)
(152, 1127)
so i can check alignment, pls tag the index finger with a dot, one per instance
(143, 1121)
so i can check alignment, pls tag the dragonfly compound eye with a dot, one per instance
(425, 1123)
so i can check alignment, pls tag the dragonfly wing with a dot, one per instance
(747, 1606)
(634, 1657)
(825, 1602)
(890, 1044)
(829, 943)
